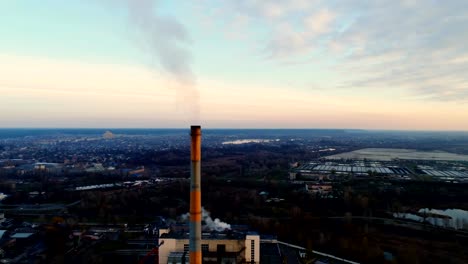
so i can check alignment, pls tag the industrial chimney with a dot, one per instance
(195, 196)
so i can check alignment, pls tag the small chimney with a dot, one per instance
(195, 196)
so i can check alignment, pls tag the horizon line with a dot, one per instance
(239, 128)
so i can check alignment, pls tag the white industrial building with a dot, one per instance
(217, 247)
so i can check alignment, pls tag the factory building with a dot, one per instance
(322, 171)
(217, 247)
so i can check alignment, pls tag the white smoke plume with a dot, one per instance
(208, 223)
(167, 41)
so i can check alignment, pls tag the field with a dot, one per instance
(387, 154)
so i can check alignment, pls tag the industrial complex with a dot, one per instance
(203, 244)
(390, 169)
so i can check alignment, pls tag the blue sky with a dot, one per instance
(234, 63)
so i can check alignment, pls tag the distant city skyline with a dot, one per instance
(397, 65)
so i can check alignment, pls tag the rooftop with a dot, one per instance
(2, 232)
(181, 231)
(22, 235)
(228, 235)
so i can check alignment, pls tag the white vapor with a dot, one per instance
(167, 41)
(209, 223)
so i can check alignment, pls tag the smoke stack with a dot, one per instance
(195, 196)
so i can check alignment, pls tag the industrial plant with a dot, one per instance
(176, 245)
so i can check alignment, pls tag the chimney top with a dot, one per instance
(195, 130)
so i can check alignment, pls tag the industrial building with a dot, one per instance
(351, 168)
(229, 246)
(447, 174)
(323, 170)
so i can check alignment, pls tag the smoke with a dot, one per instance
(216, 225)
(208, 223)
(167, 41)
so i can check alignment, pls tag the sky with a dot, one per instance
(383, 64)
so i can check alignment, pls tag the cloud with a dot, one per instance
(272, 10)
(285, 42)
(405, 45)
(320, 22)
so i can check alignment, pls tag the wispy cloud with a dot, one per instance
(405, 45)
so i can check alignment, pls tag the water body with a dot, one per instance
(456, 218)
